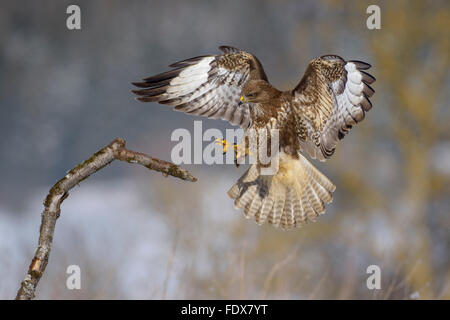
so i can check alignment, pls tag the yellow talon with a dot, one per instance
(224, 143)
(238, 149)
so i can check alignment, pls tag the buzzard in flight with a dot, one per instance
(329, 100)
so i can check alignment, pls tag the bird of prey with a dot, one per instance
(332, 96)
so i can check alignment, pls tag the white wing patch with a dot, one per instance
(200, 86)
(350, 98)
(349, 108)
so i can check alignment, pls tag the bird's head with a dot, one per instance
(257, 91)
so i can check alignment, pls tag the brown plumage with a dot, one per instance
(332, 96)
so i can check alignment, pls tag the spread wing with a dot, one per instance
(332, 97)
(208, 86)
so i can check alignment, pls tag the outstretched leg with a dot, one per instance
(239, 151)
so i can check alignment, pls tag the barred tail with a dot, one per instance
(296, 194)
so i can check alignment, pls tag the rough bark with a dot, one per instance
(60, 191)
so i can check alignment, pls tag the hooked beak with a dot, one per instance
(242, 100)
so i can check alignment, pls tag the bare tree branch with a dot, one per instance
(60, 191)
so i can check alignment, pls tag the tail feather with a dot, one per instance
(319, 185)
(266, 208)
(318, 176)
(316, 203)
(246, 199)
(299, 214)
(308, 210)
(278, 207)
(233, 193)
(287, 219)
(254, 207)
(294, 195)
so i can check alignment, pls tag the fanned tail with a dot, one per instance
(294, 195)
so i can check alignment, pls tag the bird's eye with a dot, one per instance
(251, 95)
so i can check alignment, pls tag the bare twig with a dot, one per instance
(60, 191)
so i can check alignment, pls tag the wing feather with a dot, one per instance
(207, 85)
(332, 97)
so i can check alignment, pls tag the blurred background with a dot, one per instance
(135, 234)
